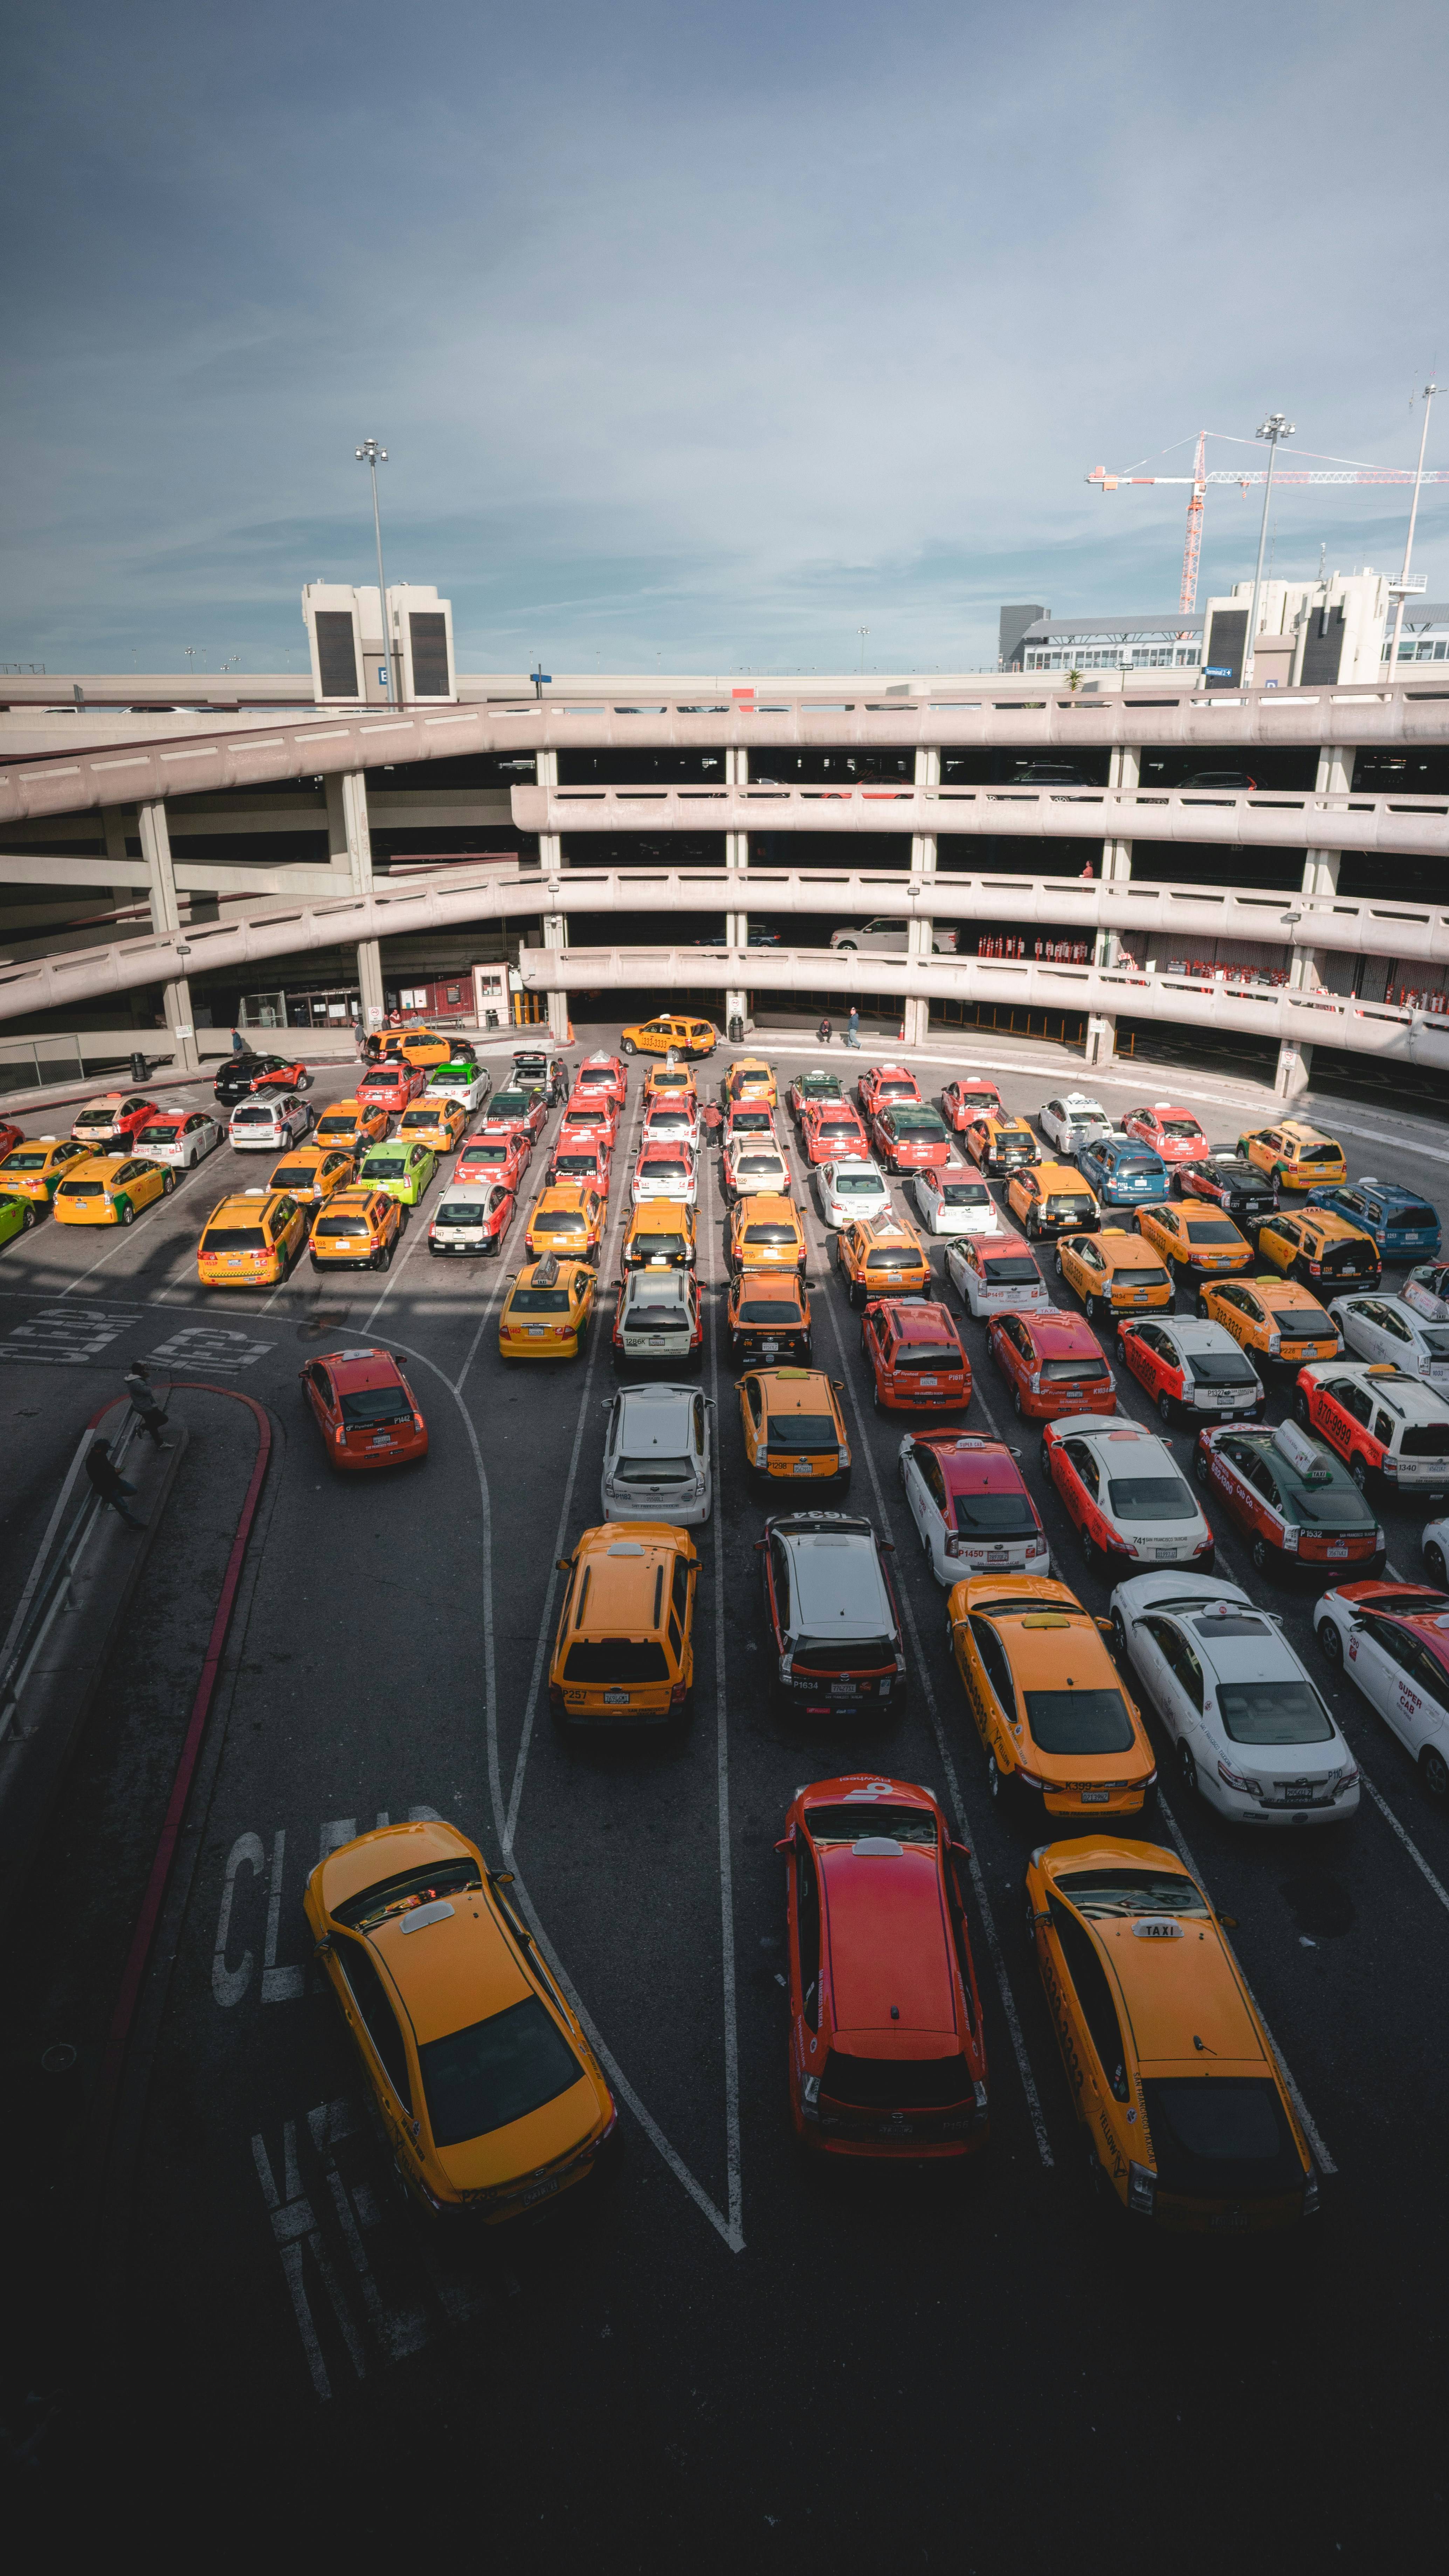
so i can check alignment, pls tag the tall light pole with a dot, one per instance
(1430, 391)
(862, 632)
(1272, 429)
(371, 455)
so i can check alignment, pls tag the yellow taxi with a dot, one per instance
(881, 1257)
(568, 1218)
(767, 1316)
(750, 1078)
(349, 1125)
(110, 1189)
(624, 1650)
(1322, 1249)
(1194, 1239)
(1050, 1198)
(545, 1315)
(1114, 1272)
(794, 1430)
(1275, 1318)
(35, 1168)
(440, 1124)
(1173, 2075)
(251, 1239)
(669, 1082)
(1295, 1157)
(677, 1029)
(416, 1046)
(490, 2096)
(1047, 1699)
(313, 1172)
(661, 1235)
(357, 1230)
(1001, 1144)
(764, 1233)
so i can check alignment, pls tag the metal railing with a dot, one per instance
(68, 1533)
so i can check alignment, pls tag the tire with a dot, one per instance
(1300, 1407)
(1260, 1555)
(1201, 1466)
(1202, 1309)
(380, 1258)
(1330, 1642)
(127, 1214)
(1089, 1308)
(998, 1786)
(1434, 1559)
(1120, 1646)
(1187, 1771)
(1057, 1266)
(1358, 1469)
(168, 1184)
(876, 1404)
(1016, 1403)
(627, 1047)
(1164, 1407)
(27, 1218)
(1434, 1772)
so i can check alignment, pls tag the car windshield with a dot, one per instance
(1220, 1368)
(540, 1301)
(233, 1238)
(769, 1310)
(366, 1405)
(1131, 1891)
(812, 1432)
(859, 1185)
(403, 1894)
(1079, 1721)
(847, 1824)
(498, 2071)
(460, 1212)
(1329, 1501)
(1435, 1342)
(1011, 1270)
(1150, 1498)
(624, 1660)
(1072, 1372)
(1008, 1515)
(1279, 1712)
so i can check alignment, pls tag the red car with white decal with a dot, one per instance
(882, 1083)
(962, 1103)
(1172, 1133)
(915, 1357)
(1189, 1365)
(114, 1118)
(1126, 1494)
(1380, 1419)
(909, 1137)
(390, 1086)
(496, 1152)
(1052, 1363)
(832, 1132)
(603, 1073)
(1293, 1500)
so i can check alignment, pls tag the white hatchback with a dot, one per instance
(179, 1137)
(468, 1084)
(845, 1192)
(996, 1275)
(1073, 1118)
(665, 1171)
(260, 1126)
(1252, 1733)
(954, 1201)
(1389, 1328)
(658, 1456)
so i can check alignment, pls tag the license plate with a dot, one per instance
(929, 1381)
(540, 2191)
(843, 1690)
(383, 1440)
(1293, 1796)
(1169, 1552)
(655, 1342)
(1335, 1551)
(1095, 1797)
(802, 1467)
(616, 1699)
(769, 1350)
(1228, 2222)
(536, 1332)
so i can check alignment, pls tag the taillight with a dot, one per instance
(678, 1695)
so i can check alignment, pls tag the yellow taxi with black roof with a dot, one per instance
(545, 1314)
(358, 1229)
(1324, 1250)
(251, 1239)
(1274, 1318)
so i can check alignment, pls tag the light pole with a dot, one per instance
(1272, 429)
(862, 632)
(371, 455)
(1430, 391)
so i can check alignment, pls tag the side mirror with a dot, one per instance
(1106, 1627)
(563, 1565)
(503, 1878)
(759, 1547)
(786, 1841)
(962, 1850)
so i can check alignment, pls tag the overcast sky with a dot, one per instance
(710, 333)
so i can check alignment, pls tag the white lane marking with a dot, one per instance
(228, 1985)
(293, 2226)
(722, 1773)
(123, 1237)
(988, 1920)
(1305, 2117)
(67, 1337)
(1411, 1847)
(211, 1346)
(283, 1985)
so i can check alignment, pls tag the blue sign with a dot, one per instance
(1217, 670)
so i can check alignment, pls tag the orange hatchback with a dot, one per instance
(365, 1409)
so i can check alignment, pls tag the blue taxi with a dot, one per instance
(1404, 1226)
(1121, 1172)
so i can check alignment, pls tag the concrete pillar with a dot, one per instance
(349, 855)
(1101, 1038)
(1123, 775)
(921, 930)
(737, 860)
(555, 925)
(1295, 1069)
(166, 924)
(369, 983)
(114, 821)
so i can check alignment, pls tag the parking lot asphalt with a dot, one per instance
(727, 2352)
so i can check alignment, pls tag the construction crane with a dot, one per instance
(1197, 482)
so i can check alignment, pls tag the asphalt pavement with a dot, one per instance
(727, 2352)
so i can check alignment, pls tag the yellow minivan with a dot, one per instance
(624, 1652)
(690, 1038)
(1294, 1156)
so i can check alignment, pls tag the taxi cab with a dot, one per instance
(391, 1085)
(962, 1103)
(877, 1257)
(1046, 1698)
(670, 1082)
(546, 1313)
(752, 1167)
(1173, 1134)
(1172, 2074)
(1273, 1318)
(567, 1220)
(914, 1355)
(1293, 1500)
(589, 1166)
(357, 1230)
(438, 1124)
(115, 1117)
(658, 1319)
(996, 1274)
(660, 1235)
(404, 1170)
(251, 1239)
(177, 1136)
(623, 1652)
(16, 1216)
(689, 1037)
(599, 1073)
(351, 1125)
(764, 1233)
(664, 1171)
(887, 2054)
(526, 1112)
(1114, 1272)
(500, 1154)
(471, 1216)
(830, 1131)
(110, 1189)
(833, 1630)
(1053, 1364)
(1297, 1157)
(1050, 1199)
(415, 1046)
(467, 1083)
(754, 1118)
(1317, 1245)
(970, 1504)
(1194, 1241)
(365, 1409)
(1392, 1639)
(883, 1086)
(590, 1118)
(793, 1427)
(767, 1316)
(489, 2094)
(1190, 1365)
(1383, 1421)
(1404, 1226)
(34, 1169)
(750, 1078)
(1000, 1144)
(813, 1089)
(908, 1137)
(1126, 1496)
(676, 1120)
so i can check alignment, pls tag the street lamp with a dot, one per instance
(1276, 426)
(371, 455)
(862, 632)
(1402, 585)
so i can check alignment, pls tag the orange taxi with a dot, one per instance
(567, 1219)
(35, 1168)
(357, 1230)
(879, 1258)
(624, 1649)
(438, 1124)
(764, 1233)
(1276, 1319)
(251, 1239)
(365, 1409)
(1046, 1697)
(351, 1124)
(313, 1172)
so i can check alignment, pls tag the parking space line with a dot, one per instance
(722, 1758)
(1410, 1846)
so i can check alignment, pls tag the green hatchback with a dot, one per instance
(15, 1216)
(404, 1171)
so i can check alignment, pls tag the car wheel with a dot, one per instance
(996, 1781)
(168, 1184)
(127, 1213)
(1119, 1637)
(1434, 1772)
(1089, 1309)
(1202, 1310)
(875, 1399)
(1434, 1559)
(1201, 1465)
(1057, 1266)
(1300, 1407)
(1164, 1407)
(1330, 1641)
(27, 1216)
(1187, 1771)
(1260, 1555)
(627, 1047)
(380, 1258)
(1358, 1469)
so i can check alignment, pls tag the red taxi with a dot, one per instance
(915, 1356)
(1053, 1364)
(674, 1122)
(496, 1153)
(113, 1119)
(1189, 1365)
(880, 1084)
(962, 1103)
(365, 1409)
(10, 1136)
(589, 1164)
(909, 1137)
(391, 1086)
(1384, 1422)
(1126, 1496)
(1172, 1133)
(832, 1132)
(1292, 1499)
(589, 1119)
(517, 1108)
(887, 2056)
(748, 1118)
(283, 1077)
(602, 1074)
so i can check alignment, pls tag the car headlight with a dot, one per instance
(1141, 2190)
(810, 2097)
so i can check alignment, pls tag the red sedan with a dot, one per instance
(882, 1083)
(365, 1409)
(915, 1356)
(887, 2056)
(515, 1108)
(589, 1164)
(909, 1137)
(748, 1118)
(603, 1074)
(962, 1103)
(495, 1153)
(1172, 1133)
(1053, 1364)
(831, 1132)
(391, 1086)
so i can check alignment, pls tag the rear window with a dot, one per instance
(583, 1164)
(1216, 2134)
(807, 1432)
(293, 1176)
(1134, 1275)
(19, 1162)
(460, 1212)
(157, 1135)
(625, 1660)
(1071, 1208)
(1425, 1440)
(895, 1257)
(1079, 1721)
(1012, 1270)
(253, 1113)
(858, 1185)
(1215, 1368)
(919, 1122)
(928, 1355)
(234, 1238)
(769, 1310)
(1212, 1230)
(354, 1224)
(1150, 1498)
(384, 1167)
(375, 1404)
(480, 2079)
(540, 1301)
(1072, 1372)
(1321, 1154)
(81, 1190)
(593, 1077)
(769, 1233)
(965, 1194)
(1004, 1515)
(892, 2083)
(1409, 1219)
(903, 1090)
(338, 1125)
(1300, 1323)
(560, 1221)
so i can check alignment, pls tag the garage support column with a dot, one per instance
(166, 924)
(349, 855)
(920, 929)
(737, 860)
(1123, 776)
(555, 925)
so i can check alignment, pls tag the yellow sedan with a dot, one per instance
(110, 1189)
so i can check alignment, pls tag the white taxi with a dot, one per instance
(996, 1274)
(1389, 1328)
(267, 1120)
(1073, 1118)
(754, 1167)
(955, 1201)
(1427, 1290)
(1392, 1639)
(1251, 1731)
(665, 1171)
(468, 1084)
(1126, 1493)
(847, 1191)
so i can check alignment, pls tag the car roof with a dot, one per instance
(657, 1288)
(920, 1320)
(1041, 1652)
(1184, 2002)
(659, 1416)
(1264, 1655)
(1402, 1394)
(784, 1284)
(100, 1163)
(1125, 1251)
(890, 1957)
(362, 1365)
(788, 1390)
(1102, 1427)
(837, 1584)
(660, 1215)
(1277, 1291)
(1197, 1333)
(1058, 1171)
(768, 1203)
(625, 1557)
(254, 1202)
(1058, 1334)
(974, 1466)
(467, 1190)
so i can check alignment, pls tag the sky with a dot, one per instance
(702, 337)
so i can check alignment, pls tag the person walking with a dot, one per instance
(144, 1405)
(109, 1483)
(852, 1028)
(238, 1043)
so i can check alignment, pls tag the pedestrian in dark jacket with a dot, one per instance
(144, 1404)
(109, 1483)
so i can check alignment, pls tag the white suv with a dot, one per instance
(657, 1456)
(1073, 1118)
(261, 1126)
(889, 939)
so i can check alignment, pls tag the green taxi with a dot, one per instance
(402, 1170)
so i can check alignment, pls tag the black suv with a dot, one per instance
(239, 1072)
